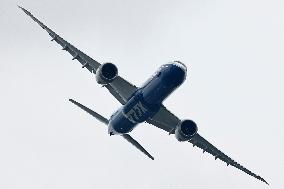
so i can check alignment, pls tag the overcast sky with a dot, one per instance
(234, 92)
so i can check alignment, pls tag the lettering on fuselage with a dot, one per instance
(136, 113)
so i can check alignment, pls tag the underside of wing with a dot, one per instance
(164, 119)
(85, 60)
(121, 89)
(200, 142)
(167, 121)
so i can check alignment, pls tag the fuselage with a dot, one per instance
(147, 100)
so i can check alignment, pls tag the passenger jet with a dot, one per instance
(142, 104)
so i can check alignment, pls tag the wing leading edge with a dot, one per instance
(167, 121)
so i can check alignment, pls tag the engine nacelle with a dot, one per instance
(106, 73)
(185, 130)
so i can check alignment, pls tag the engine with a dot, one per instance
(185, 130)
(106, 73)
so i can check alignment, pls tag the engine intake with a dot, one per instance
(186, 130)
(106, 73)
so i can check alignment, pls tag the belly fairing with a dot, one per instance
(135, 111)
(119, 124)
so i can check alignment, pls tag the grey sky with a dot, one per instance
(234, 92)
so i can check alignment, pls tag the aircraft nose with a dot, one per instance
(176, 73)
(180, 65)
(180, 71)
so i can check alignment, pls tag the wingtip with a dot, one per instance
(25, 11)
(20, 7)
(150, 156)
(265, 182)
(262, 179)
(71, 100)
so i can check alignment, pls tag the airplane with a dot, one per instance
(142, 104)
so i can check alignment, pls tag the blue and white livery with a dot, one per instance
(142, 104)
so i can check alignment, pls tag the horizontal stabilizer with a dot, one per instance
(105, 121)
(88, 110)
(137, 145)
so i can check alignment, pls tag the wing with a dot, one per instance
(200, 142)
(167, 121)
(84, 59)
(121, 89)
